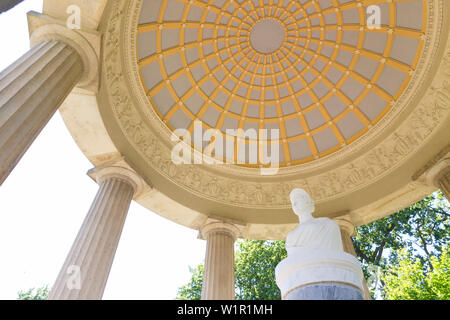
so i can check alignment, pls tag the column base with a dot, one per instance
(308, 274)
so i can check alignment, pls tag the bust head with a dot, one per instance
(302, 204)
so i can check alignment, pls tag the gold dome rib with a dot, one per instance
(275, 78)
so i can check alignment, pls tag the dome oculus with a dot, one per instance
(267, 36)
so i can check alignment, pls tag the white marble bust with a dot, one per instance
(312, 233)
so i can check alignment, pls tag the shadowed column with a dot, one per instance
(5, 5)
(347, 231)
(444, 183)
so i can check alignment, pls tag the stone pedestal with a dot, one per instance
(319, 275)
(218, 279)
(86, 269)
(31, 90)
(325, 291)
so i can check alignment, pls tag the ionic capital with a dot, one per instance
(438, 172)
(345, 223)
(86, 44)
(219, 227)
(102, 173)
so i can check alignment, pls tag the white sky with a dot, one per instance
(45, 199)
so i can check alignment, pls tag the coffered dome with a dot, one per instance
(357, 90)
(320, 72)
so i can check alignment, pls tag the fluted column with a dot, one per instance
(347, 231)
(86, 269)
(31, 90)
(218, 278)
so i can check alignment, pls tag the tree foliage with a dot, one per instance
(411, 280)
(255, 263)
(193, 289)
(34, 294)
(422, 229)
(255, 269)
(409, 240)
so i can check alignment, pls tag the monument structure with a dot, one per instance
(317, 268)
(210, 112)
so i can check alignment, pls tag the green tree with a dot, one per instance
(411, 280)
(422, 230)
(192, 290)
(255, 263)
(255, 269)
(34, 294)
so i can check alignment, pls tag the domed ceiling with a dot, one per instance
(358, 91)
(316, 70)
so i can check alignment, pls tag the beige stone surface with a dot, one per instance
(438, 174)
(91, 11)
(347, 231)
(444, 184)
(31, 90)
(218, 279)
(82, 118)
(85, 41)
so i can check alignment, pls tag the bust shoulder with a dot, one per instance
(319, 233)
(321, 220)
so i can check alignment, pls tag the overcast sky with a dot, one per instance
(45, 199)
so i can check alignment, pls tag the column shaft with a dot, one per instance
(347, 242)
(96, 243)
(444, 184)
(31, 90)
(348, 247)
(218, 280)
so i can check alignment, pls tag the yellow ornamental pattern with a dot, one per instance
(323, 78)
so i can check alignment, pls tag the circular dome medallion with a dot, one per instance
(267, 36)
(313, 71)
